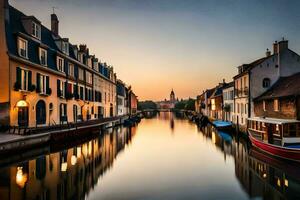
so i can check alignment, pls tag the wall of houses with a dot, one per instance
(287, 108)
(4, 69)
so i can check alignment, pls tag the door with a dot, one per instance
(40, 112)
(23, 116)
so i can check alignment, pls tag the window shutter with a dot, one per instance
(58, 88)
(86, 94)
(38, 82)
(66, 88)
(47, 85)
(29, 80)
(19, 75)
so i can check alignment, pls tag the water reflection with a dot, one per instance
(68, 174)
(260, 175)
(164, 157)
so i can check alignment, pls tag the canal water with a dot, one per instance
(163, 157)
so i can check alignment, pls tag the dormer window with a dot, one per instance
(266, 83)
(23, 48)
(36, 30)
(80, 57)
(65, 47)
(60, 64)
(43, 56)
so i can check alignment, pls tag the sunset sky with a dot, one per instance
(187, 45)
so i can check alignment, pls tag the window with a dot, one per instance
(23, 48)
(42, 83)
(71, 69)
(89, 62)
(61, 88)
(242, 109)
(43, 56)
(89, 78)
(266, 83)
(60, 64)
(246, 109)
(23, 78)
(36, 30)
(276, 105)
(80, 74)
(65, 47)
(264, 105)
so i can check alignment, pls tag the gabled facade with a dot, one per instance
(257, 77)
(46, 80)
(281, 101)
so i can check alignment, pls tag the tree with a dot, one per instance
(144, 105)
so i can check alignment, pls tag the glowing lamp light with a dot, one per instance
(265, 175)
(73, 160)
(21, 178)
(22, 103)
(64, 167)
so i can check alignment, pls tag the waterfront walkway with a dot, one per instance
(18, 139)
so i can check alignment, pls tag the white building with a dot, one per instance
(228, 101)
(257, 77)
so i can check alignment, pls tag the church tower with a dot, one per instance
(172, 96)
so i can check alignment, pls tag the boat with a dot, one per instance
(278, 137)
(222, 125)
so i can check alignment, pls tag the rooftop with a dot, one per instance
(284, 87)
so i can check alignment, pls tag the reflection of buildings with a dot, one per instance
(68, 174)
(259, 174)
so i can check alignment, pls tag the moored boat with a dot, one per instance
(278, 137)
(222, 125)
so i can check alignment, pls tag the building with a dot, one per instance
(228, 101)
(216, 102)
(257, 77)
(168, 104)
(281, 101)
(121, 96)
(133, 102)
(203, 103)
(46, 80)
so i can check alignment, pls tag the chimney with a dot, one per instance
(275, 47)
(282, 45)
(268, 53)
(54, 24)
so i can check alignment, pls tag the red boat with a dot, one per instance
(278, 137)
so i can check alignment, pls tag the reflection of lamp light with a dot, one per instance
(278, 182)
(213, 137)
(21, 178)
(286, 182)
(73, 160)
(64, 166)
(22, 103)
(78, 152)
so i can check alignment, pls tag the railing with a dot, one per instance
(69, 125)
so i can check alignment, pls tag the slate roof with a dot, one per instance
(284, 87)
(252, 65)
(15, 28)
